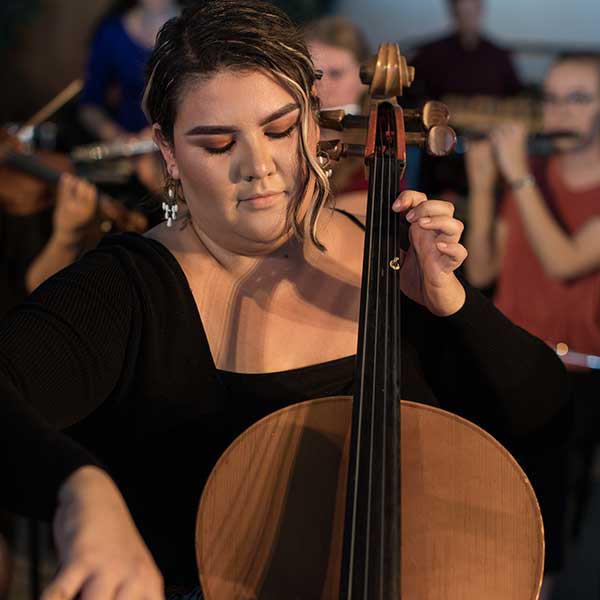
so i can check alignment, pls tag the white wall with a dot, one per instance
(575, 23)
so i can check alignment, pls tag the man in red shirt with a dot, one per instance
(541, 249)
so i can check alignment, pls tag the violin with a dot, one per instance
(371, 496)
(29, 181)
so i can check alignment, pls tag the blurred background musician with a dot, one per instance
(110, 104)
(465, 63)
(338, 47)
(35, 245)
(543, 248)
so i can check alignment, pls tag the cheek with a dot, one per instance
(205, 182)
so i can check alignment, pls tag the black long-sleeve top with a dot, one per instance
(108, 363)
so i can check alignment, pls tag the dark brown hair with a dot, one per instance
(242, 35)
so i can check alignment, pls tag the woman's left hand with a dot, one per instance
(427, 272)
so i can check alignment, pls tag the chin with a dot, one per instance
(267, 236)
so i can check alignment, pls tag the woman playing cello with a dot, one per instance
(125, 376)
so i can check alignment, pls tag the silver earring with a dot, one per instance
(170, 204)
(324, 161)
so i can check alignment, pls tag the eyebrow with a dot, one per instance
(221, 129)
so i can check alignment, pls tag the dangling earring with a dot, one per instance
(170, 205)
(324, 161)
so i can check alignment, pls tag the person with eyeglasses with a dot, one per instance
(541, 246)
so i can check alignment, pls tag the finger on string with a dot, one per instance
(407, 200)
(446, 225)
(66, 584)
(431, 208)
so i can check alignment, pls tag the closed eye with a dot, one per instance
(281, 134)
(277, 135)
(221, 149)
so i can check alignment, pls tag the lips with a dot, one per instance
(259, 196)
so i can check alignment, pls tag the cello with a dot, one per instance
(371, 497)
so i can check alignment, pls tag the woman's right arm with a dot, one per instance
(100, 548)
(61, 356)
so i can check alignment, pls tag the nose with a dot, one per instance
(256, 161)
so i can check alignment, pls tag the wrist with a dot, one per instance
(449, 300)
(522, 181)
(65, 241)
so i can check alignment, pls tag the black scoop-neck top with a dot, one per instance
(108, 363)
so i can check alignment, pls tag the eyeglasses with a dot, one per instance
(572, 99)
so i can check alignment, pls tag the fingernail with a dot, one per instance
(424, 220)
(442, 245)
(410, 216)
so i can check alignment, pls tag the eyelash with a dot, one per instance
(276, 136)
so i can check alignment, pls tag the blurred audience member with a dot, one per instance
(543, 248)
(464, 63)
(338, 47)
(33, 247)
(112, 95)
(110, 105)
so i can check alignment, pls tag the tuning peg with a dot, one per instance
(338, 120)
(331, 119)
(433, 113)
(335, 149)
(440, 140)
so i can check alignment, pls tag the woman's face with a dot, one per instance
(235, 151)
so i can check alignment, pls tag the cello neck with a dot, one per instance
(371, 557)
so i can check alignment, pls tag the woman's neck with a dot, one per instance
(239, 262)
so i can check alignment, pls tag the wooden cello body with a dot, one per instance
(370, 497)
(272, 512)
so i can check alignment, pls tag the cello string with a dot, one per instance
(376, 228)
(359, 400)
(387, 210)
(396, 379)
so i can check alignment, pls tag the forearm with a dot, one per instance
(553, 246)
(37, 459)
(502, 363)
(482, 265)
(57, 254)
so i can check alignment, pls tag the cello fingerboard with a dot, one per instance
(371, 556)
